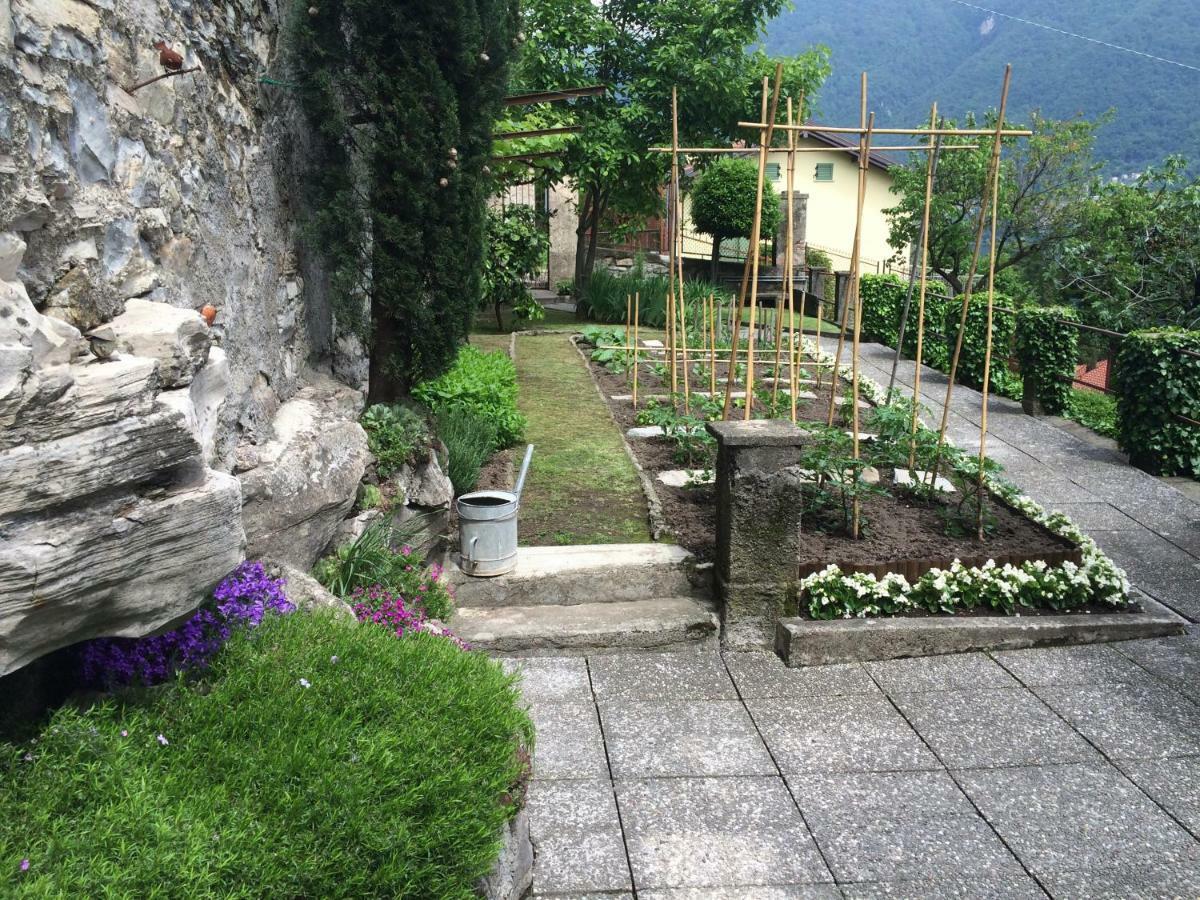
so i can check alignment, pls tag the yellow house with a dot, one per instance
(825, 196)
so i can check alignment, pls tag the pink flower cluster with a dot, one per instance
(380, 606)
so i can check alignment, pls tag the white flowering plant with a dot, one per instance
(833, 594)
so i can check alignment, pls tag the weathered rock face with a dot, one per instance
(123, 211)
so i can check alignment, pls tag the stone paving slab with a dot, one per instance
(761, 674)
(1172, 783)
(1064, 818)
(1137, 881)
(716, 832)
(554, 679)
(576, 838)
(1003, 727)
(940, 673)
(1129, 721)
(858, 733)
(568, 742)
(1008, 887)
(661, 676)
(746, 892)
(655, 739)
(1085, 664)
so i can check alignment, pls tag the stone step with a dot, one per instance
(585, 573)
(669, 623)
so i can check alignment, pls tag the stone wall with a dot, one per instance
(123, 213)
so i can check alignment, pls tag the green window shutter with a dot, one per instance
(824, 172)
(772, 171)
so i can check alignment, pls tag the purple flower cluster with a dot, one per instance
(380, 606)
(241, 601)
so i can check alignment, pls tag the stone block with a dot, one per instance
(178, 338)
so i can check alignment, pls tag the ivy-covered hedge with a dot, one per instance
(1046, 352)
(970, 363)
(1155, 384)
(882, 299)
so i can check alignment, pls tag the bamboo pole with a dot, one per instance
(677, 240)
(636, 316)
(790, 262)
(628, 312)
(945, 132)
(712, 347)
(930, 165)
(841, 345)
(746, 151)
(765, 137)
(820, 327)
(735, 321)
(671, 214)
(966, 300)
(863, 163)
(981, 495)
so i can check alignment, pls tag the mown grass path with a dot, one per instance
(582, 488)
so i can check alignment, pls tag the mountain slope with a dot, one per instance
(916, 51)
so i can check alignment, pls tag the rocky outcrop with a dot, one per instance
(307, 476)
(124, 211)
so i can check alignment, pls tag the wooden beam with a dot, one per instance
(525, 157)
(594, 90)
(537, 132)
(945, 132)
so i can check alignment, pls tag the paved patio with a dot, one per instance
(1072, 772)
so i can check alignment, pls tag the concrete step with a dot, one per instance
(669, 623)
(584, 573)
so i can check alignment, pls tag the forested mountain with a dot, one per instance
(916, 51)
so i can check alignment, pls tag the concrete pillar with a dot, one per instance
(758, 525)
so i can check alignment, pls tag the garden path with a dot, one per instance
(1151, 529)
(1068, 772)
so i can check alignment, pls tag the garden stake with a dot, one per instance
(766, 130)
(636, 311)
(981, 494)
(790, 262)
(756, 231)
(970, 283)
(837, 357)
(712, 347)
(778, 348)
(673, 221)
(930, 168)
(628, 306)
(863, 163)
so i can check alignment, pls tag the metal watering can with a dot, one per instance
(487, 527)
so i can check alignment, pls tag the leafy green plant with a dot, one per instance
(516, 249)
(394, 434)
(1156, 384)
(316, 758)
(723, 198)
(817, 259)
(1094, 410)
(835, 481)
(485, 383)
(604, 295)
(564, 287)
(693, 445)
(369, 497)
(382, 556)
(604, 338)
(1046, 353)
(469, 439)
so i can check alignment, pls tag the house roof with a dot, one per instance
(879, 160)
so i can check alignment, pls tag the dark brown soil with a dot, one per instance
(497, 474)
(901, 533)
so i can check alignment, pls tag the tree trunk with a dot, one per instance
(586, 218)
(382, 384)
(716, 259)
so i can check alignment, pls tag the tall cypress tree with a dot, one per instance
(402, 97)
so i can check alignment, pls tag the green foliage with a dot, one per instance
(400, 98)
(391, 774)
(882, 298)
(723, 199)
(1041, 180)
(1094, 410)
(516, 250)
(693, 445)
(1135, 259)
(486, 384)
(394, 434)
(373, 558)
(829, 499)
(1046, 353)
(1155, 383)
(564, 287)
(817, 259)
(469, 440)
(974, 346)
(603, 297)
(369, 497)
(603, 339)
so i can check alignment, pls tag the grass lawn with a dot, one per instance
(485, 321)
(582, 488)
(808, 323)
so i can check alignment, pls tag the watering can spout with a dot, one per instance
(524, 471)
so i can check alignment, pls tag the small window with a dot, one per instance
(824, 172)
(772, 171)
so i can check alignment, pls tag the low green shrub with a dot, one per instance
(1155, 384)
(1093, 410)
(1046, 352)
(394, 434)
(603, 298)
(316, 758)
(373, 559)
(817, 259)
(882, 298)
(970, 364)
(486, 384)
(469, 440)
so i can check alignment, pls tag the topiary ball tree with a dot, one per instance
(723, 203)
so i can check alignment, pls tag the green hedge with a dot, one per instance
(882, 299)
(484, 383)
(1047, 351)
(1155, 383)
(318, 758)
(970, 363)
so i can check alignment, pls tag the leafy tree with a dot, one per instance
(401, 98)
(723, 203)
(1135, 257)
(516, 249)
(639, 50)
(1042, 179)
